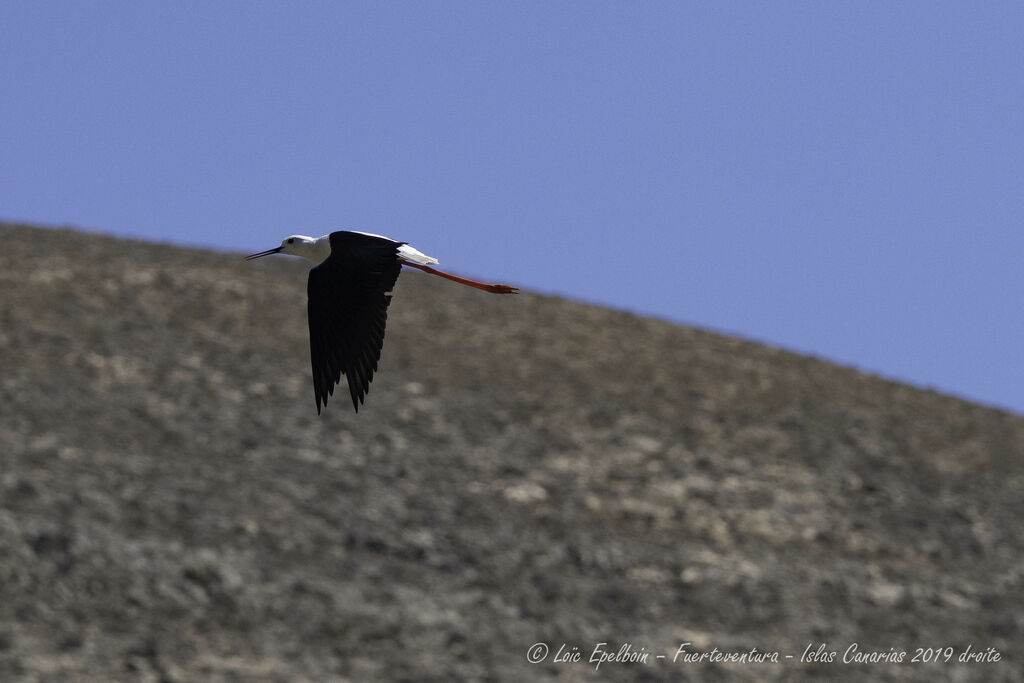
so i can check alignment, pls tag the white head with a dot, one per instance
(316, 249)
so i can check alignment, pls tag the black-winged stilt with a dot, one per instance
(349, 292)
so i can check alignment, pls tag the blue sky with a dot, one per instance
(838, 178)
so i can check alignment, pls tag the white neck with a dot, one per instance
(315, 249)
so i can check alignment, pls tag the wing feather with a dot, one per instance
(349, 294)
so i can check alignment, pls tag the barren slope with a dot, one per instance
(525, 470)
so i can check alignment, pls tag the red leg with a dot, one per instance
(494, 289)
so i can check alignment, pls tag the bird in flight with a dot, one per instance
(349, 291)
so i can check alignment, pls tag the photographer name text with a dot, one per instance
(686, 653)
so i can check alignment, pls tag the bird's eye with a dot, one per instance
(291, 240)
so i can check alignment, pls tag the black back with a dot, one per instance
(349, 295)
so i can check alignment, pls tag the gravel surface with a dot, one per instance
(525, 470)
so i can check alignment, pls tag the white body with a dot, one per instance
(415, 255)
(317, 249)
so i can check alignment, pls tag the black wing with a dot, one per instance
(349, 295)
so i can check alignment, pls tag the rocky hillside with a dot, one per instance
(525, 470)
